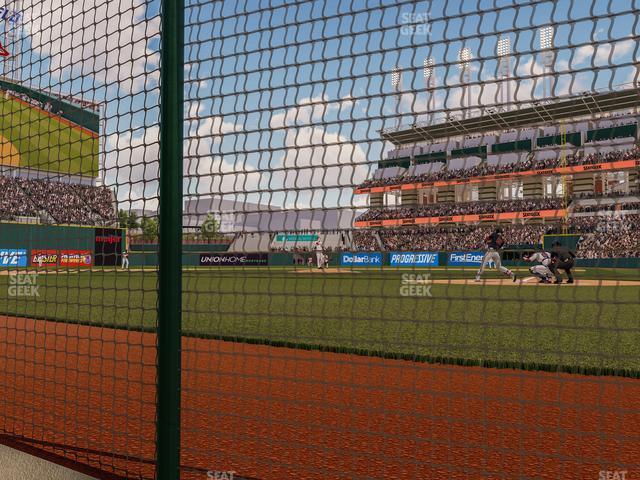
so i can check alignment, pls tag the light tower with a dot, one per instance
(504, 69)
(546, 45)
(395, 84)
(429, 80)
(464, 57)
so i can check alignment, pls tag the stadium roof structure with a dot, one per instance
(587, 104)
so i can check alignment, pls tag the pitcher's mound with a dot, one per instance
(9, 154)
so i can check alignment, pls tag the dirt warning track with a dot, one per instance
(88, 393)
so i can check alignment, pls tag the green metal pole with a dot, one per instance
(170, 255)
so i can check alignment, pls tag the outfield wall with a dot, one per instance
(59, 245)
(146, 254)
(468, 259)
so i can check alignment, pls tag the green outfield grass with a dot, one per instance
(45, 143)
(580, 329)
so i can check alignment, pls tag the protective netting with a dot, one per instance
(378, 198)
(78, 158)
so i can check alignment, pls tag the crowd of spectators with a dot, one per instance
(484, 169)
(611, 207)
(462, 208)
(610, 237)
(61, 202)
(610, 194)
(454, 238)
(365, 240)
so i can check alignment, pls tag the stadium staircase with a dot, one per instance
(379, 241)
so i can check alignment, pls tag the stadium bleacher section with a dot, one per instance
(577, 178)
(440, 172)
(612, 205)
(611, 237)
(63, 203)
(462, 208)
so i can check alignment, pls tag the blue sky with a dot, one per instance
(287, 103)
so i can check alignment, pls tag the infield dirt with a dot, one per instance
(88, 393)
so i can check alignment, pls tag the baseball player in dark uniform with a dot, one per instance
(562, 258)
(494, 243)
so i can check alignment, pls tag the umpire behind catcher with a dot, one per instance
(562, 259)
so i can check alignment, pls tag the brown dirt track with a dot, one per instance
(276, 413)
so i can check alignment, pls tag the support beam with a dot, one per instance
(169, 334)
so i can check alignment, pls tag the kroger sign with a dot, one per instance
(361, 259)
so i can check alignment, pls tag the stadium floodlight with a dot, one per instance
(395, 83)
(428, 67)
(504, 50)
(546, 37)
(395, 77)
(428, 73)
(504, 46)
(464, 56)
(546, 43)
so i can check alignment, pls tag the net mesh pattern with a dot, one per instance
(377, 200)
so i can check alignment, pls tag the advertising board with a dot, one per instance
(348, 259)
(233, 259)
(465, 259)
(413, 259)
(13, 257)
(76, 258)
(44, 258)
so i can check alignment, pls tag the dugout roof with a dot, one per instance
(587, 104)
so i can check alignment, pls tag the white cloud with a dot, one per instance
(109, 41)
(601, 53)
(309, 109)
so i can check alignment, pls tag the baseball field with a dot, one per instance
(295, 373)
(33, 138)
(424, 315)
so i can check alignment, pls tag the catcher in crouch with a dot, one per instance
(494, 243)
(542, 270)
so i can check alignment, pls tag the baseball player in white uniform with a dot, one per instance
(494, 243)
(125, 260)
(541, 270)
(319, 253)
